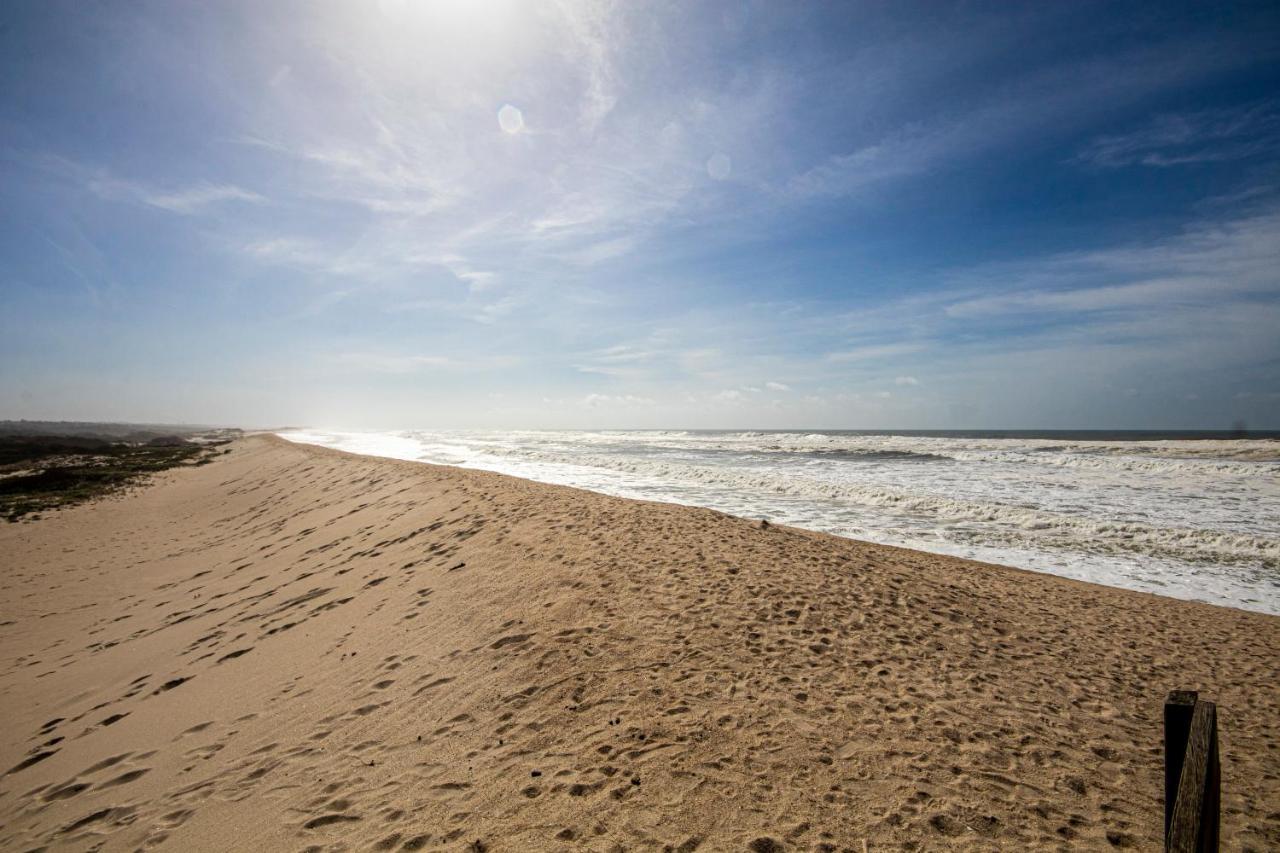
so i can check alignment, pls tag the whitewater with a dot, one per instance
(1190, 518)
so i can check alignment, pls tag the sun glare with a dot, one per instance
(448, 13)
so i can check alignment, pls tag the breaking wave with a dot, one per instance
(1190, 518)
(1184, 543)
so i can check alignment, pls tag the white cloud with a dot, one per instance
(192, 199)
(777, 386)
(368, 362)
(601, 251)
(379, 363)
(460, 268)
(622, 361)
(876, 351)
(590, 48)
(1059, 98)
(1204, 136)
(310, 255)
(906, 380)
(1204, 265)
(617, 372)
(185, 200)
(608, 401)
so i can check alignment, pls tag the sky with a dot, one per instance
(491, 214)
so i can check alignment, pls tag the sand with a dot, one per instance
(298, 649)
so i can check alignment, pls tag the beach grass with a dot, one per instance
(41, 473)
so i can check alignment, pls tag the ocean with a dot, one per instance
(1188, 515)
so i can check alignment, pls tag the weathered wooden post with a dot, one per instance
(1177, 725)
(1192, 808)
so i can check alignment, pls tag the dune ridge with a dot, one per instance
(294, 648)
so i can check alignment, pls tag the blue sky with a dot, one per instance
(518, 214)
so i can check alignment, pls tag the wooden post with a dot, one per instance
(1193, 827)
(1213, 793)
(1177, 725)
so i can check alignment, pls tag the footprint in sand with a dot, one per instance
(108, 762)
(126, 778)
(65, 791)
(329, 819)
(31, 760)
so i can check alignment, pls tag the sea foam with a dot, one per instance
(1195, 519)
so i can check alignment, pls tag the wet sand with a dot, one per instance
(294, 648)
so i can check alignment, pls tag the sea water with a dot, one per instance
(1193, 516)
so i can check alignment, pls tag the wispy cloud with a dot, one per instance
(876, 352)
(622, 361)
(591, 50)
(1203, 136)
(310, 255)
(461, 269)
(599, 401)
(193, 199)
(187, 201)
(1057, 100)
(370, 362)
(1205, 265)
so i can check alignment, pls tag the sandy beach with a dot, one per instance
(294, 648)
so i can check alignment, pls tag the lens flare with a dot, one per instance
(510, 119)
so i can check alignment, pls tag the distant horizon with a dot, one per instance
(1022, 432)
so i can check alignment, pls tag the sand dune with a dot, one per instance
(297, 649)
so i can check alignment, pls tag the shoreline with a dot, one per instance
(768, 683)
(805, 531)
(1149, 556)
